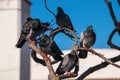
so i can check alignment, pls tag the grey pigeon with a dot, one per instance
(48, 46)
(26, 33)
(31, 29)
(87, 40)
(88, 37)
(68, 63)
(63, 19)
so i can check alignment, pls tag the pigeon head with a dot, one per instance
(45, 40)
(29, 19)
(89, 28)
(36, 24)
(60, 10)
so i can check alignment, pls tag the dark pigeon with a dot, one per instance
(48, 46)
(26, 33)
(63, 19)
(31, 29)
(68, 63)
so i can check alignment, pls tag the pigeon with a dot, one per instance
(31, 29)
(26, 33)
(88, 37)
(67, 64)
(63, 19)
(87, 40)
(49, 47)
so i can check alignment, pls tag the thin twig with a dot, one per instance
(61, 29)
(106, 60)
(101, 56)
(52, 75)
(97, 67)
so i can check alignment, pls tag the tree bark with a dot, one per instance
(101, 56)
(116, 23)
(52, 75)
(105, 59)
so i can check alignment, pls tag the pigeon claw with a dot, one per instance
(31, 41)
(46, 57)
(69, 74)
(90, 50)
(85, 48)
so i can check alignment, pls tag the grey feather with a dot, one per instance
(68, 63)
(88, 37)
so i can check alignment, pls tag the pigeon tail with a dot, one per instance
(21, 42)
(58, 57)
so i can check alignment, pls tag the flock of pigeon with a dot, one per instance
(34, 27)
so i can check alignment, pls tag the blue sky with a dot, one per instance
(82, 13)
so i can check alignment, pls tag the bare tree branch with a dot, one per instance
(49, 9)
(109, 42)
(111, 12)
(104, 58)
(101, 56)
(61, 29)
(116, 23)
(97, 67)
(36, 59)
(118, 2)
(52, 75)
(66, 76)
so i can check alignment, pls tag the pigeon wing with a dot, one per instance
(81, 38)
(65, 61)
(68, 22)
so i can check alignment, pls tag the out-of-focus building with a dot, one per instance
(16, 64)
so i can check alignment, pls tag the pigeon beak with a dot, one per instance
(21, 41)
(91, 28)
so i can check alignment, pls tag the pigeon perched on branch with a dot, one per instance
(49, 47)
(26, 33)
(31, 29)
(87, 40)
(88, 37)
(63, 20)
(67, 64)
